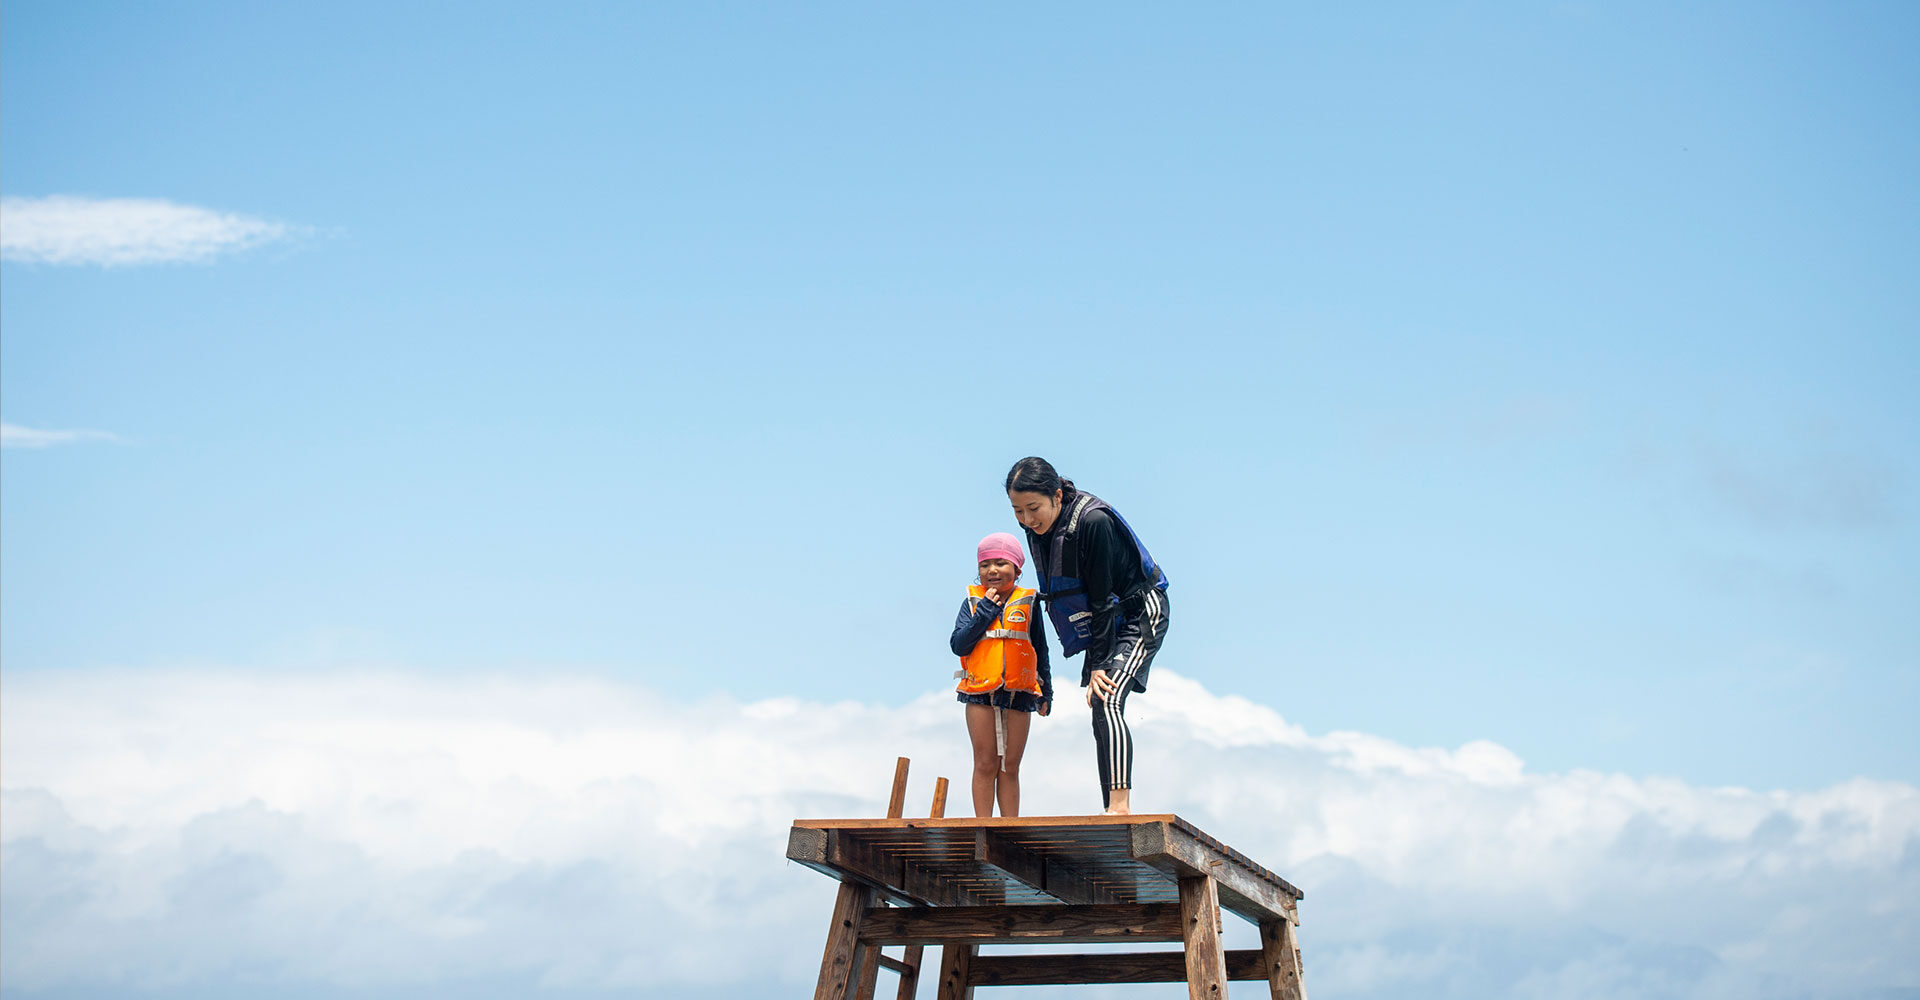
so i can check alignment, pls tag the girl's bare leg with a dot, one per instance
(1008, 788)
(986, 760)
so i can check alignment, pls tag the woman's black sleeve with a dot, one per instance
(1037, 634)
(1103, 567)
(972, 624)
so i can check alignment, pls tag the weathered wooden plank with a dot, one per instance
(961, 822)
(1280, 960)
(909, 971)
(1200, 929)
(1177, 853)
(807, 845)
(897, 802)
(837, 963)
(994, 851)
(893, 964)
(1066, 884)
(991, 850)
(937, 891)
(863, 857)
(915, 955)
(899, 881)
(868, 978)
(1104, 967)
(1022, 924)
(956, 961)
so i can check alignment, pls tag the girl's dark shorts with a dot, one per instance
(1019, 701)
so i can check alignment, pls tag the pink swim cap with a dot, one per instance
(1001, 545)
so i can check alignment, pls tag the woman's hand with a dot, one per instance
(1101, 686)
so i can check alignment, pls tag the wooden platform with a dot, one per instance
(1037, 860)
(963, 883)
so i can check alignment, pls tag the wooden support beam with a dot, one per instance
(1243, 965)
(956, 962)
(922, 884)
(994, 850)
(1067, 885)
(1022, 924)
(1178, 853)
(1200, 929)
(894, 965)
(899, 881)
(909, 971)
(915, 954)
(1280, 958)
(991, 850)
(868, 977)
(838, 964)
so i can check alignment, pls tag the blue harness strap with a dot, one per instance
(1068, 605)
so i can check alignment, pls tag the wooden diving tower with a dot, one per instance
(963, 883)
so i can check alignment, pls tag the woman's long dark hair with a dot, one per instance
(1034, 474)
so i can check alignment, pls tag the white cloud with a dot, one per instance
(67, 230)
(206, 831)
(16, 436)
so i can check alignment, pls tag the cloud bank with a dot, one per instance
(114, 231)
(209, 833)
(16, 436)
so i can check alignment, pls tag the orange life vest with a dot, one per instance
(1004, 657)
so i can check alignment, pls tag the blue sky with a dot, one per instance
(1536, 374)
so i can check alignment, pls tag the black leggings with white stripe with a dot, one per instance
(1124, 656)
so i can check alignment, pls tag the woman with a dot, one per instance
(1105, 595)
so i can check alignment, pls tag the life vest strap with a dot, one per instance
(1004, 633)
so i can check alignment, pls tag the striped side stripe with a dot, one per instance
(1119, 739)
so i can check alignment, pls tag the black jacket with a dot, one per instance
(1107, 562)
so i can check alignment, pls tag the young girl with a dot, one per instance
(1105, 595)
(1004, 676)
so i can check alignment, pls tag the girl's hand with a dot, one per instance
(1101, 685)
(1046, 707)
(993, 596)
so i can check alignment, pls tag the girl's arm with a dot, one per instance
(972, 624)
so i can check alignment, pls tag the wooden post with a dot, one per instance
(956, 962)
(1280, 954)
(915, 954)
(897, 802)
(1200, 927)
(939, 798)
(870, 957)
(837, 964)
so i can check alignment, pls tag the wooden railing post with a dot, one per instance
(916, 954)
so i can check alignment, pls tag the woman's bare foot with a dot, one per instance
(1119, 802)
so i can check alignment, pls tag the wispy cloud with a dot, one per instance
(113, 231)
(16, 436)
(202, 832)
(1801, 489)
